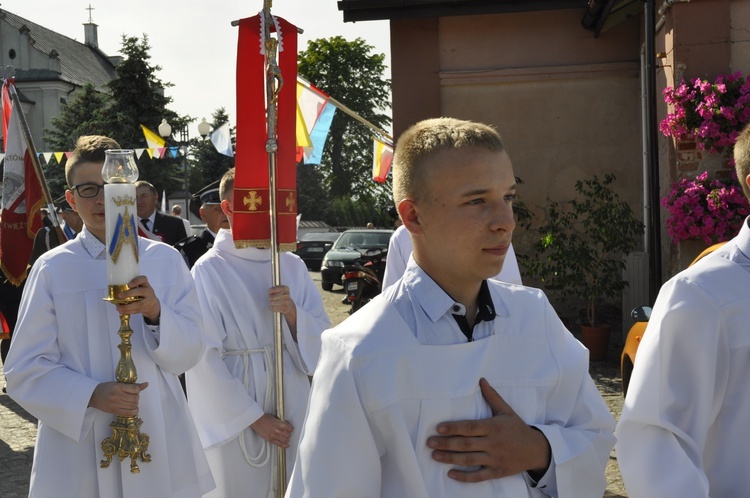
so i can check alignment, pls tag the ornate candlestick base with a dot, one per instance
(127, 439)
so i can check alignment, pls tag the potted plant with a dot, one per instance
(580, 251)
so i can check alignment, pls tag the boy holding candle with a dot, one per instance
(61, 365)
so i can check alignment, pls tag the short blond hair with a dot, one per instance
(226, 185)
(424, 140)
(88, 149)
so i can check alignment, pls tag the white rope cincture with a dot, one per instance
(264, 455)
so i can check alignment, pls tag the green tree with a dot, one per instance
(312, 193)
(137, 97)
(81, 116)
(354, 76)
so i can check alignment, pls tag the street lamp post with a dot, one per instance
(165, 130)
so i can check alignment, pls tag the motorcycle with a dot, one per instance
(363, 278)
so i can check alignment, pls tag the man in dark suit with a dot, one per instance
(168, 228)
(195, 246)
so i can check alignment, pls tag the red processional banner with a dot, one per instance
(21, 197)
(251, 226)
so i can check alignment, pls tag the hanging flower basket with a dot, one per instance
(711, 114)
(705, 209)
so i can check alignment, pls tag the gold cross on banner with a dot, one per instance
(290, 202)
(253, 200)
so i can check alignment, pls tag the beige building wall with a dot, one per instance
(566, 103)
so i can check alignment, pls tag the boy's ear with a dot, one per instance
(71, 200)
(408, 210)
(747, 180)
(227, 207)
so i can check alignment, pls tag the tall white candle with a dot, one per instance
(120, 172)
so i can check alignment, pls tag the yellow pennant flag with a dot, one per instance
(153, 140)
(382, 155)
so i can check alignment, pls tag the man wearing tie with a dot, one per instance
(168, 228)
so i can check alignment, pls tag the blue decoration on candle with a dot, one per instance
(115, 242)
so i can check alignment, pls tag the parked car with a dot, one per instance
(311, 247)
(350, 246)
(641, 315)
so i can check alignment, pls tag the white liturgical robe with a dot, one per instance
(232, 386)
(384, 383)
(684, 425)
(66, 343)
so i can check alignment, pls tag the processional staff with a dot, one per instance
(265, 202)
(274, 82)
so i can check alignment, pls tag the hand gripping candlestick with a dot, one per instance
(119, 173)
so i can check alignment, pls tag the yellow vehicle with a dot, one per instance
(635, 334)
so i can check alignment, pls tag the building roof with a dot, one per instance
(368, 10)
(599, 15)
(79, 63)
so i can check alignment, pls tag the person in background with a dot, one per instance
(46, 238)
(177, 212)
(195, 246)
(232, 389)
(169, 229)
(683, 429)
(449, 384)
(61, 364)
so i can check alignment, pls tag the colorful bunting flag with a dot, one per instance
(382, 159)
(319, 134)
(153, 140)
(221, 137)
(310, 103)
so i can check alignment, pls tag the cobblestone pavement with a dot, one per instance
(18, 428)
(17, 436)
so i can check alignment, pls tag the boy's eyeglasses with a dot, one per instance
(87, 190)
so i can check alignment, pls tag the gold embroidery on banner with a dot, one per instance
(264, 244)
(260, 244)
(253, 200)
(290, 202)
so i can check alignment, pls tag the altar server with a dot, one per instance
(232, 389)
(683, 430)
(449, 384)
(61, 364)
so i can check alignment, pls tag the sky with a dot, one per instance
(193, 40)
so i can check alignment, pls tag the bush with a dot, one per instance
(581, 246)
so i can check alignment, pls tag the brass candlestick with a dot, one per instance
(127, 439)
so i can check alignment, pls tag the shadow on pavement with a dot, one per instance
(8, 403)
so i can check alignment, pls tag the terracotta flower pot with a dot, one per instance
(596, 339)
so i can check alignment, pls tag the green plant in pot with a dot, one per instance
(581, 248)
